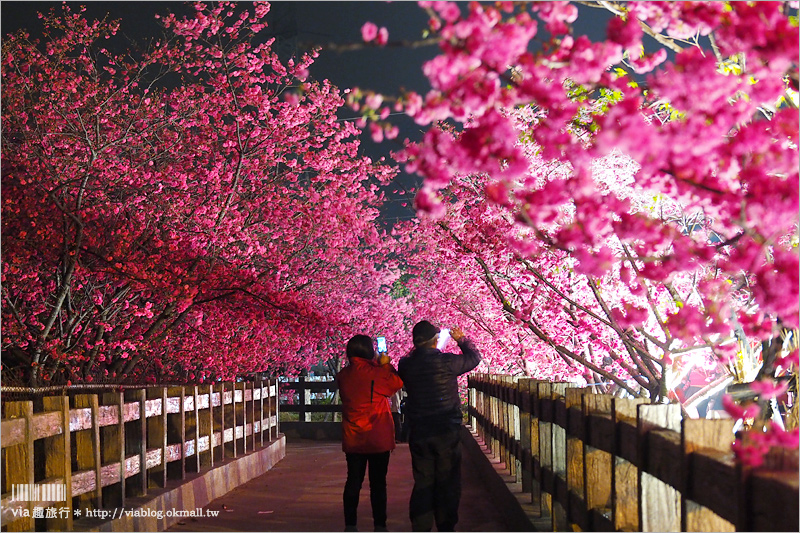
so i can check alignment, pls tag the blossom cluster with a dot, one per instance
(713, 153)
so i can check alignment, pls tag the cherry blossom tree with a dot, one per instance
(195, 211)
(599, 212)
(710, 121)
(549, 321)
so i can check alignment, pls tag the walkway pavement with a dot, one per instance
(303, 492)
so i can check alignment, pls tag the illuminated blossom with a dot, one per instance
(369, 31)
(739, 411)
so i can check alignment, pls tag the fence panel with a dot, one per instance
(309, 399)
(101, 450)
(598, 463)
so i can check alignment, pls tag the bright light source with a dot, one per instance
(444, 336)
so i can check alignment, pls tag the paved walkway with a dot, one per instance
(303, 492)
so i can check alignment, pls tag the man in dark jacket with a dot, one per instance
(433, 411)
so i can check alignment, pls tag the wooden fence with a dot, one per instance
(306, 404)
(110, 447)
(305, 426)
(595, 462)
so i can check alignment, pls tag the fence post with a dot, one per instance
(305, 399)
(471, 401)
(625, 478)
(502, 420)
(241, 416)
(180, 420)
(58, 459)
(713, 435)
(251, 414)
(517, 444)
(225, 421)
(242, 388)
(88, 452)
(112, 440)
(509, 438)
(140, 489)
(526, 457)
(480, 406)
(536, 464)
(513, 428)
(576, 436)
(176, 431)
(228, 420)
(268, 413)
(275, 409)
(217, 423)
(19, 461)
(598, 460)
(157, 436)
(193, 428)
(492, 418)
(486, 428)
(659, 503)
(247, 407)
(559, 443)
(496, 417)
(259, 407)
(233, 419)
(545, 401)
(205, 425)
(217, 394)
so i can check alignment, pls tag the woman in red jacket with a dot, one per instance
(365, 386)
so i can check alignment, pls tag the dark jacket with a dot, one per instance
(430, 379)
(367, 424)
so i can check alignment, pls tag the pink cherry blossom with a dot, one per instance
(767, 389)
(626, 32)
(383, 36)
(738, 411)
(376, 131)
(369, 31)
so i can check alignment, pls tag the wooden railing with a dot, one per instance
(305, 405)
(600, 463)
(107, 448)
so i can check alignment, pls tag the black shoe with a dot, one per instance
(350, 528)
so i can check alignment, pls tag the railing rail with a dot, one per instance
(105, 449)
(602, 463)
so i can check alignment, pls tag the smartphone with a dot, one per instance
(381, 344)
(444, 336)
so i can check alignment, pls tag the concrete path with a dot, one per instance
(303, 492)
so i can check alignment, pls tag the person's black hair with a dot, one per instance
(360, 346)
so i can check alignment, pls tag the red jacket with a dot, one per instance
(365, 387)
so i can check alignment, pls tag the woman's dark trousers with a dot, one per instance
(356, 468)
